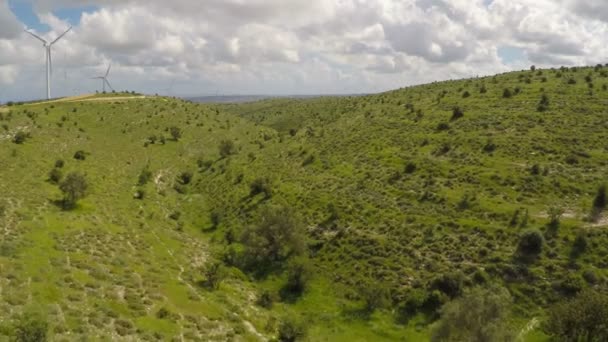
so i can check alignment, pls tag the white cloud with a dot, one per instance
(300, 46)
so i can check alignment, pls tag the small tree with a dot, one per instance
(299, 272)
(74, 188)
(277, 235)
(479, 316)
(227, 148)
(176, 133)
(580, 319)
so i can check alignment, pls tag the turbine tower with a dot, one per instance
(104, 79)
(49, 59)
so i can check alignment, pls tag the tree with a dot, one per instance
(543, 105)
(583, 318)
(74, 188)
(176, 133)
(227, 148)
(479, 316)
(278, 235)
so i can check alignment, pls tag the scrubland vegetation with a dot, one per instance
(470, 210)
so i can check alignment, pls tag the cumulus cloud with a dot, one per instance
(301, 46)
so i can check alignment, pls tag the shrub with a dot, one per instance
(31, 327)
(599, 202)
(410, 168)
(375, 295)
(292, 329)
(266, 299)
(531, 243)
(571, 81)
(80, 155)
(260, 186)
(59, 163)
(176, 133)
(74, 188)
(580, 244)
(443, 126)
(20, 137)
(572, 284)
(457, 113)
(214, 273)
(227, 148)
(543, 105)
(480, 315)
(144, 176)
(507, 93)
(466, 94)
(483, 89)
(277, 235)
(450, 284)
(55, 176)
(185, 177)
(299, 272)
(580, 319)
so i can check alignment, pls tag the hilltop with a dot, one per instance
(394, 204)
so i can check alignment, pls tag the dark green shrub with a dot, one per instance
(531, 243)
(185, 177)
(59, 163)
(410, 168)
(260, 186)
(543, 105)
(144, 176)
(227, 148)
(375, 295)
(451, 284)
(457, 113)
(55, 176)
(31, 327)
(80, 155)
(466, 94)
(292, 329)
(266, 299)
(74, 188)
(443, 126)
(584, 318)
(176, 133)
(481, 315)
(299, 272)
(599, 202)
(214, 273)
(507, 93)
(20, 137)
(572, 284)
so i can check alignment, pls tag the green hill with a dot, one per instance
(350, 218)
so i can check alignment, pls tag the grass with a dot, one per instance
(106, 268)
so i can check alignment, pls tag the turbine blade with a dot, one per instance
(108, 72)
(108, 83)
(36, 36)
(61, 36)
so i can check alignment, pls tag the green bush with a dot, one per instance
(531, 243)
(55, 176)
(299, 272)
(74, 187)
(479, 316)
(599, 202)
(292, 329)
(278, 235)
(176, 133)
(227, 148)
(583, 318)
(31, 327)
(20, 137)
(144, 176)
(260, 186)
(450, 284)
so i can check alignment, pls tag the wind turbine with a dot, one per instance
(104, 79)
(49, 59)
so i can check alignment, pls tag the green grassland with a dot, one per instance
(394, 190)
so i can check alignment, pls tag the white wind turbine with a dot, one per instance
(104, 79)
(49, 59)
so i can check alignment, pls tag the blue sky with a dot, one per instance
(26, 14)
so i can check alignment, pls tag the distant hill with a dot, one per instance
(383, 217)
(251, 98)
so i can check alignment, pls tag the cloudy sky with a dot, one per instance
(192, 47)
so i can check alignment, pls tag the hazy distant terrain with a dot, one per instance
(385, 217)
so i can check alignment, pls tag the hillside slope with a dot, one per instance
(398, 193)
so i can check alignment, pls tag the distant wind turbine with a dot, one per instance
(49, 60)
(104, 79)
